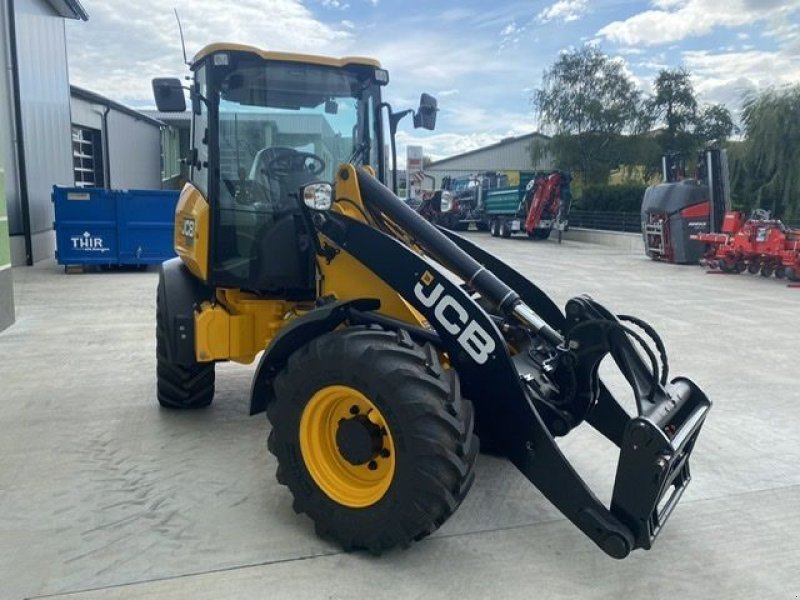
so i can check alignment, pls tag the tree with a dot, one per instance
(715, 123)
(765, 169)
(675, 100)
(688, 127)
(588, 101)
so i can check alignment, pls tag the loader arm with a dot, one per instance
(544, 381)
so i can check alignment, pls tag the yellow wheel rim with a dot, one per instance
(356, 486)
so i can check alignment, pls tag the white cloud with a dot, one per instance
(674, 20)
(725, 76)
(450, 92)
(335, 4)
(510, 35)
(121, 48)
(625, 51)
(563, 10)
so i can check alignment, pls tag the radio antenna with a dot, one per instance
(183, 43)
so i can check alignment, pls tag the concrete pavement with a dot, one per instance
(104, 495)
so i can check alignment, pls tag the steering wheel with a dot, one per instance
(282, 160)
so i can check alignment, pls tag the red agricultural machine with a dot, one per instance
(675, 211)
(759, 244)
(549, 205)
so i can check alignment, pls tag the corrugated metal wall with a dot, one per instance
(134, 145)
(8, 151)
(44, 97)
(514, 155)
(134, 152)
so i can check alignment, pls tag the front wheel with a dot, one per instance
(376, 456)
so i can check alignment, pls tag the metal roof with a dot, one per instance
(170, 118)
(69, 9)
(503, 142)
(76, 92)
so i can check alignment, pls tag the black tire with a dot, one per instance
(422, 405)
(540, 234)
(753, 267)
(505, 229)
(179, 386)
(494, 228)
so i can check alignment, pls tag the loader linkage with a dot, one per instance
(551, 383)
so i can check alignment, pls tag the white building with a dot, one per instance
(113, 146)
(510, 154)
(35, 133)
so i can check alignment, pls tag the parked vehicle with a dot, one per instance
(675, 211)
(371, 323)
(537, 206)
(460, 201)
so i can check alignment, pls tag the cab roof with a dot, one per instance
(285, 56)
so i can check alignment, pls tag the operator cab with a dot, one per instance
(265, 124)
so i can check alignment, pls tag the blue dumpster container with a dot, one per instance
(113, 227)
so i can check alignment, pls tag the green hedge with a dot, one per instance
(611, 198)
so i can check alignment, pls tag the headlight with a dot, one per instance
(447, 202)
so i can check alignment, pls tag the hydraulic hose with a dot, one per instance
(462, 264)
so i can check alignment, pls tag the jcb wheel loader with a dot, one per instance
(388, 346)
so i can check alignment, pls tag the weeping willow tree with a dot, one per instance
(766, 165)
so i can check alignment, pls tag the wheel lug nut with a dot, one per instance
(372, 465)
(354, 410)
(385, 453)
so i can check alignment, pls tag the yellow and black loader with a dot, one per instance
(390, 347)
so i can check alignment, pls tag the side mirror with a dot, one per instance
(425, 116)
(318, 195)
(168, 93)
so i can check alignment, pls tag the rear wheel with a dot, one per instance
(505, 229)
(378, 456)
(179, 386)
(540, 234)
(494, 228)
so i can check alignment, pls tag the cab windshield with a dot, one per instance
(281, 125)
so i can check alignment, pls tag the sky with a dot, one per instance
(481, 59)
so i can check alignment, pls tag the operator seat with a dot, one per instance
(283, 251)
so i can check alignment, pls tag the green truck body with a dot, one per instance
(506, 201)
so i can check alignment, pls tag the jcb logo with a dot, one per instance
(455, 319)
(188, 231)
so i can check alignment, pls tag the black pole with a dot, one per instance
(106, 152)
(24, 199)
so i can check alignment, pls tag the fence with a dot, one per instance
(623, 221)
(607, 221)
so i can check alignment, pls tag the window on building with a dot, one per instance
(87, 157)
(170, 153)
